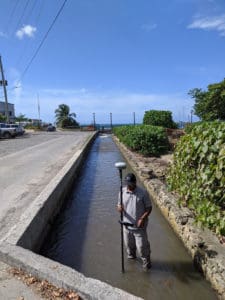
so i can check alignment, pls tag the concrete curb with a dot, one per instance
(207, 253)
(26, 236)
(60, 275)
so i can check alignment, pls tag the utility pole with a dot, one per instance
(39, 118)
(4, 83)
(134, 118)
(94, 120)
(111, 120)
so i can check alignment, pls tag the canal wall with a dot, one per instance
(16, 248)
(207, 253)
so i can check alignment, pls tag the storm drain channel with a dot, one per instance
(86, 237)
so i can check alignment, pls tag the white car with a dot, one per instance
(7, 132)
(19, 128)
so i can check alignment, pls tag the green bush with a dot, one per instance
(34, 127)
(188, 128)
(145, 139)
(198, 173)
(159, 118)
(2, 118)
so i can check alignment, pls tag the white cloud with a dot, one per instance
(63, 92)
(84, 103)
(148, 27)
(3, 34)
(209, 23)
(14, 73)
(26, 30)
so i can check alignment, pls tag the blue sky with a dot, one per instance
(111, 56)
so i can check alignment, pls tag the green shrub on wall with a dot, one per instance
(145, 139)
(188, 128)
(159, 118)
(198, 173)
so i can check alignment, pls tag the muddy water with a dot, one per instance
(86, 237)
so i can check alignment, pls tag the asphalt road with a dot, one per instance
(27, 164)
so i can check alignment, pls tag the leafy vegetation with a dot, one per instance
(64, 118)
(159, 118)
(188, 128)
(210, 104)
(2, 118)
(21, 118)
(145, 139)
(198, 173)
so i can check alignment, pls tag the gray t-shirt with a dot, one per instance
(135, 204)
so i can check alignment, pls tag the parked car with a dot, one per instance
(7, 132)
(51, 128)
(19, 128)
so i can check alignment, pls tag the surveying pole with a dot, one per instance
(121, 166)
(3, 82)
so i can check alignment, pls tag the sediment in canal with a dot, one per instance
(207, 253)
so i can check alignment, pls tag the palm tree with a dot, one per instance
(64, 118)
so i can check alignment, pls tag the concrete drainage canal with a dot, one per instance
(86, 237)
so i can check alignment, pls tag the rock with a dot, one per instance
(147, 173)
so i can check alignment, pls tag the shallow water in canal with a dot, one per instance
(86, 237)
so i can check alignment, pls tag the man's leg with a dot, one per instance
(143, 247)
(129, 241)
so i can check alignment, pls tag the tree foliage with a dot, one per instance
(21, 118)
(198, 173)
(64, 118)
(159, 118)
(210, 104)
(2, 118)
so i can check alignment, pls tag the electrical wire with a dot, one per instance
(22, 15)
(28, 45)
(43, 39)
(31, 10)
(11, 89)
(11, 16)
(42, 3)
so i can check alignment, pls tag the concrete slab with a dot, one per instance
(12, 288)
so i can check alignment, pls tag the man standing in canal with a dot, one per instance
(136, 208)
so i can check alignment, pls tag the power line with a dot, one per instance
(11, 89)
(42, 2)
(11, 16)
(26, 45)
(22, 15)
(31, 10)
(43, 40)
